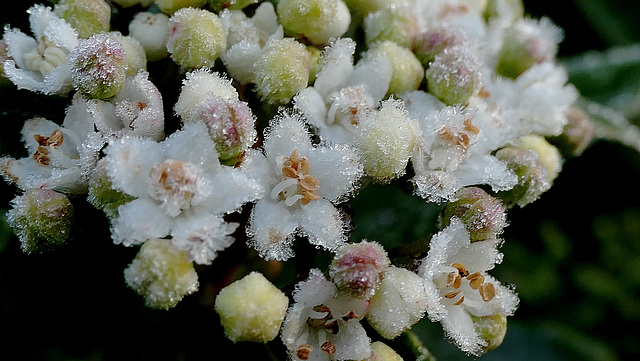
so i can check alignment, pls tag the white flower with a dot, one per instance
(39, 63)
(343, 93)
(458, 287)
(303, 182)
(181, 191)
(323, 324)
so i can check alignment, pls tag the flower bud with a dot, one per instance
(432, 42)
(171, 6)
(386, 139)
(136, 57)
(536, 163)
(483, 215)
(397, 24)
(492, 329)
(316, 20)
(527, 43)
(577, 134)
(400, 302)
(86, 16)
(315, 62)
(196, 38)
(219, 5)
(101, 193)
(251, 309)
(162, 274)
(152, 31)
(41, 218)
(231, 126)
(98, 66)
(454, 75)
(508, 10)
(281, 71)
(358, 268)
(407, 72)
(381, 352)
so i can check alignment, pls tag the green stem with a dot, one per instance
(421, 353)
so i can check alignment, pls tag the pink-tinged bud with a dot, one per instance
(231, 126)
(358, 268)
(432, 42)
(98, 66)
(577, 134)
(484, 216)
(41, 218)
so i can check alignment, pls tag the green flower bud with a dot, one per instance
(98, 66)
(492, 329)
(316, 20)
(162, 274)
(454, 75)
(315, 62)
(102, 195)
(393, 24)
(510, 10)
(381, 352)
(171, 6)
(86, 16)
(407, 72)
(483, 215)
(196, 38)
(536, 163)
(577, 134)
(152, 31)
(219, 5)
(251, 309)
(42, 219)
(386, 140)
(358, 268)
(432, 42)
(282, 70)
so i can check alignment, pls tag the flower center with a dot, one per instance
(460, 279)
(459, 139)
(349, 106)
(297, 184)
(46, 57)
(174, 183)
(41, 156)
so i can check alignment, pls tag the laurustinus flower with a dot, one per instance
(86, 16)
(323, 324)
(251, 309)
(358, 268)
(407, 72)
(454, 75)
(98, 66)
(196, 38)
(162, 274)
(483, 215)
(42, 219)
(459, 288)
(152, 31)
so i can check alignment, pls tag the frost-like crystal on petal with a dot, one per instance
(152, 31)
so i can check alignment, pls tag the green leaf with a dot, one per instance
(615, 21)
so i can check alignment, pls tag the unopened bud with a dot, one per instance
(98, 66)
(576, 135)
(454, 75)
(432, 42)
(281, 71)
(196, 38)
(407, 72)
(507, 10)
(397, 24)
(358, 268)
(162, 274)
(219, 5)
(41, 218)
(536, 163)
(152, 31)
(171, 6)
(316, 20)
(136, 57)
(380, 351)
(101, 193)
(251, 309)
(88, 17)
(484, 216)
(492, 329)
(526, 44)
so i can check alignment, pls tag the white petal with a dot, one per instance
(322, 223)
(460, 328)
(129, 161)
(286, 134)
(138, 221)
(271, 230)
(202, 236)
(309, 102)
(337, 169)
(192, 144)
(230, 189)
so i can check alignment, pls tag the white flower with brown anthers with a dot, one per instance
(458, 287)
(303, 182)
(324, 324)
(181, 191)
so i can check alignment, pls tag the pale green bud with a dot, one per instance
(407, 72)
(251, 309)
(219, 5)
(394, 24)
(42, 219)
(492, 329)
(454, 75)
(484, 216)
(380, 351)
(162, 274)
(101, 193)
(315, 62)
(281, 71)
(98, 66)
(171, 6)
(432, 42)
(196, 38)
(316, 20)
(509, 10)
(86, 16)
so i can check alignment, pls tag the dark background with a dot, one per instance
(573, 255)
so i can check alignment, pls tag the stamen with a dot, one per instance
(454, 280)
(487, 291)
(332, 327)
(286, 183)
(475, 280)
(329, 348)
(458, 302)
(304, 351)
(461, 269)
(452, 294)
(349, 316)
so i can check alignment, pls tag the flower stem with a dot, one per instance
(413, 342)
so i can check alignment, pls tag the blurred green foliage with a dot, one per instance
(573, 255)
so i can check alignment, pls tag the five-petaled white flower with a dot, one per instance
(458, 287)
(303, 182)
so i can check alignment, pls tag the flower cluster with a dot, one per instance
(281, 115)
